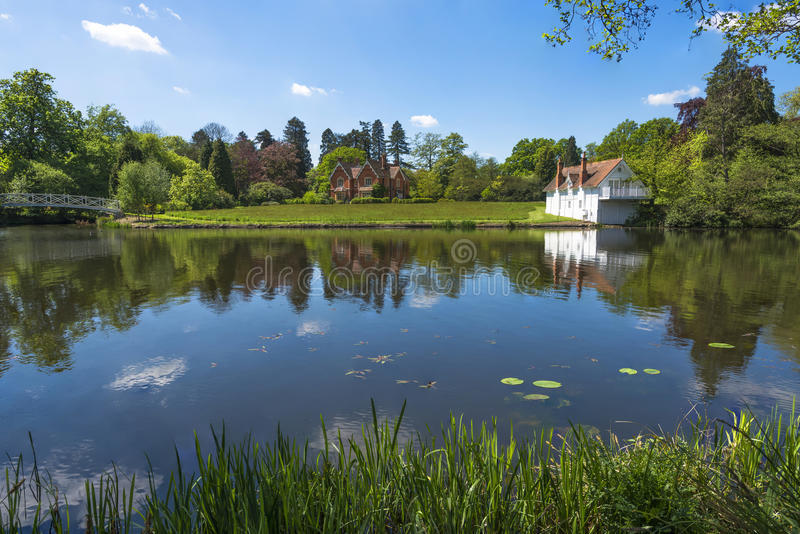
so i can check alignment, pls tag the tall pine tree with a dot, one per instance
(220, 167)
(329, 143)
(263, 139)
(570, 152)
(397, 144)
(205, 154)
(378, 139)
(365, 138)
(296, 135)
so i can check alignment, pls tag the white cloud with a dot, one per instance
(124, 36)
(307, 328)
(174, 14)
(306, 90)
(718, 23)
(424, 121)
(665, 99)
(152, 373)
(181, 90)
(146, 10)
(127, 10)
(5, 16)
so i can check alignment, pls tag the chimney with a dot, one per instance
(559, 168)
(584, 175)
(383, 160)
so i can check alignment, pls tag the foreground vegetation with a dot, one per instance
(439, 213)
(742, 476)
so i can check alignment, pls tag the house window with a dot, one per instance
(569, 204)
(340, 183)
(580, 203)
(368, 182)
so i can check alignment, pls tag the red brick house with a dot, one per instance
(349, 182)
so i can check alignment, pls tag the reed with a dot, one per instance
(741, 475)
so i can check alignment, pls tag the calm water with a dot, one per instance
(117, 343)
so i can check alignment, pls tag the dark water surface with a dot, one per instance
(119, 343)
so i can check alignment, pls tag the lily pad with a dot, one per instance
(628, 371)
(549, 384)
(721, 345)
(652, 371)
(536, 396)
(511, 381)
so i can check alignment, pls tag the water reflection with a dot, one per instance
(60, 285)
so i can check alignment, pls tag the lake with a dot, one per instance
(120, 343)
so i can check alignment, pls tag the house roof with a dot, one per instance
(596, 171)
(390, 172)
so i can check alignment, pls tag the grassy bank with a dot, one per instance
(440, 213)
(739, 477)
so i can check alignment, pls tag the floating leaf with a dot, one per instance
(312, 349)
(361, 343)
(491, 342)
(262, 349)
(563, 403)
(652, 371)
(429, 385)
(276, 336)
(381, 359)
(358, 373)
(512, 381)
(404, 330)
(721, 345)
(404, 381)
(593, 360)
(550, 384)
(628, 371)
(213, 364)
(536, 396)
(559, 365)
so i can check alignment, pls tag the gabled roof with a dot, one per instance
(596, 171)
(390, 172)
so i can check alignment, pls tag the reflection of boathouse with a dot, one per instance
(599, 259)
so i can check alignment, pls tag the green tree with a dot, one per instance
(329, 143)
(34, 123)
(365, 138)
(319, 176)
(428, 185)
(738, 96)
(265, 192)
(142, 186)
(522, 160)
(194, 189)
(378, 191)
(617, 142)
(107, 120)
(205, 154)
(221, 169)
(790, 103)
(377, 139)
(650, 147)
(37, 177)
(263, 139)
(296, 135)
(452, 149)
(465, 181)
(616, 26)
(397, 144)
(425, 149)
(569, 151)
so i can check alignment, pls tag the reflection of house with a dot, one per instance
(358, 256)
(594, 258)
(602, 191)
(349, 182)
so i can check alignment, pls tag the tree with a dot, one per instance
(650, 148)
(221, 169)
(329, 143)
(150, 127)
(428, 185)
(265, 192)
(617, 141)
(263, 139)
(107, 120)
(36, 177)
(280, 162)
(378, 139)
(205, 154)
(378, 191)
(569, 152)
(217, 132)
(425, 149)
(772, 28)
(465, 181)
(319, 176)
(194, 189)
(365, 138)
(450, 151)
(142, 186)
(397, 144)
(34, 123)
(737, 96)
(296, 135)
(244, 160)
(523, 157)
(591, 151)
(689, 113)
(790, 103)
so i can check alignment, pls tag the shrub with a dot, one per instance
(416, 200)
(143, 186)
(262, 192)
(194, 189)
(369, 200)
(378, 191)
(224, 200)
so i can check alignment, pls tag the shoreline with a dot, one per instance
(156, 225)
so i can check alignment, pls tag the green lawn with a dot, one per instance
(344, 214)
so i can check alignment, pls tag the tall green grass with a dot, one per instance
(737, 476)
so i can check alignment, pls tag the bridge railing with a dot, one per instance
(59, 201)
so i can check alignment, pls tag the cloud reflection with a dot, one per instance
(153, 373)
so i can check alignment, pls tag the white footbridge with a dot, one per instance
(49, 200)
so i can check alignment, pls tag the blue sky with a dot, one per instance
(478, 68)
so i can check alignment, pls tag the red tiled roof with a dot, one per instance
(390, 172)
(596, 171)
